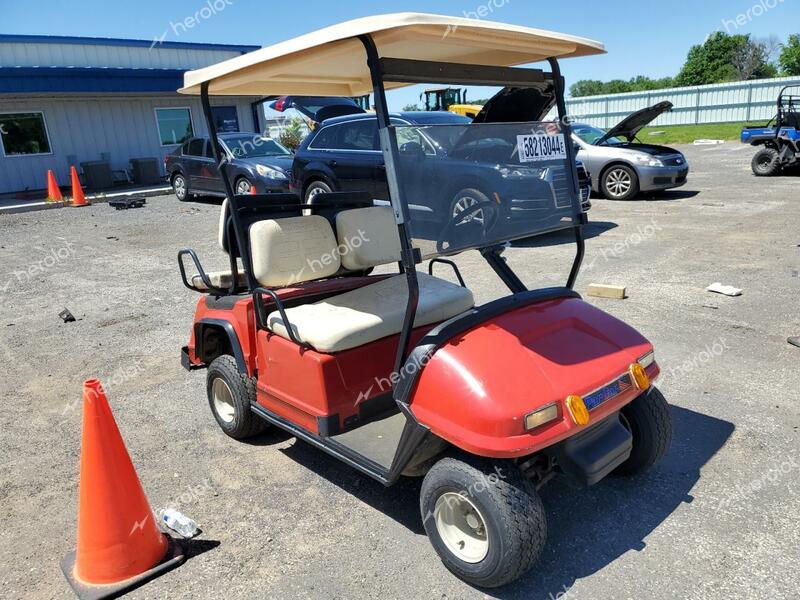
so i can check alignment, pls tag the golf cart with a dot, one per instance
(325, 327)
(779, 144)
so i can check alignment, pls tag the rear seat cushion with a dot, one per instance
(293, 250)
(367, 237)
(371, 313)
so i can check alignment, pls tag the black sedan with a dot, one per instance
(257, 164)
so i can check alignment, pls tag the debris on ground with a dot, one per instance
(179, 523)
(725, 290)
(712, 306)
(126, 203)
(794, 341)
(67, 316)
(601, 290)
(708, 142)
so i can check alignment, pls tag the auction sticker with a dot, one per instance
(540, 146)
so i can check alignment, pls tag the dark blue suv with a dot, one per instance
(343, 154)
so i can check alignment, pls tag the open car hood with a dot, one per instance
(518, 105)
(631, 125)
(317, 108)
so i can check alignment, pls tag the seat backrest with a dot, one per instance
(293, 250)
(367, 237)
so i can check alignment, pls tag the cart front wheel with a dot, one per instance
(650, 423)
(230, 394)
(485, 520)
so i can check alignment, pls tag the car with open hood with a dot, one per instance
(621, 166)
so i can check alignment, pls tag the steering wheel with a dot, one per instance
(491, 214)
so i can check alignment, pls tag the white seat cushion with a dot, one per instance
(219, 279)
(368, 237)
(293, 250)
(371, 313)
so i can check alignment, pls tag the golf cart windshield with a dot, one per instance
(487, 184)
(248, 146)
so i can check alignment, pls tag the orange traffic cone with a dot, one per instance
(120, 547)
(253, 191)
(53, 191)
(78, 199)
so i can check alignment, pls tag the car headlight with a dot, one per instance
(265, 171)
(522, 173)
(646, 160)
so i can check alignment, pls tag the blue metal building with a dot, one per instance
(71, 100)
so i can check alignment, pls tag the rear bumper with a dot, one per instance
(593, 454)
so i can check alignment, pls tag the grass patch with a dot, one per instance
(686, 134)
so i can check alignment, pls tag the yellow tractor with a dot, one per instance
(450, 99)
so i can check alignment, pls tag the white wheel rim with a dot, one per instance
(243, 188)
(619, 182)
(461, 527)
(223, 400)
(464, 203)
(180, 187)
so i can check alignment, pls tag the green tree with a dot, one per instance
(411, 108)
(724, 57)
(790, 56)
(586, 87)
(292, 135)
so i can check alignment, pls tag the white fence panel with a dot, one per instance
(719, 103)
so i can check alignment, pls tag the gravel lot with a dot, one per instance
(718, 519)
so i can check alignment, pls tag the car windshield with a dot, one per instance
(590, 135)
(249, 146)
(493, 183)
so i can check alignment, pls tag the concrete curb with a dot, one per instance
(97, 199)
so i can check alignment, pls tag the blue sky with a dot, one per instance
(642, 37)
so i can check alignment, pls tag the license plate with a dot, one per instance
(540, 146)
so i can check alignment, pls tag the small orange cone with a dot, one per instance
(120, 547)
(53, 191)
(78, 199)
(253, 191)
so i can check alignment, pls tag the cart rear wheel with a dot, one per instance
(766, 162)
(230, 395)
(485, 520)
(650, 422)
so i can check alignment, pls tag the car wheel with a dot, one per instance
(766, 162)
(485, 520)
(650, 423)
(466, 199)
(243, 187)
(620, 182)
(230, 394)
(315, 189)
(180, 187)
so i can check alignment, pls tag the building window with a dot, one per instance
(225, 118)
(174, 125)
(24, 134)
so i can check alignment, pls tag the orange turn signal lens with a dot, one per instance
(578, 411)
(639, 377)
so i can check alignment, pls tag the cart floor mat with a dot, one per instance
(377, 440)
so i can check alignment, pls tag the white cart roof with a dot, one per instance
(332, 61)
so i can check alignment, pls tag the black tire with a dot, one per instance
(181, 187)
(241, 423)
(515, 525)
(316, 187)
(242, 186)
(766, 162)
(649, 420)
(619, 182)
